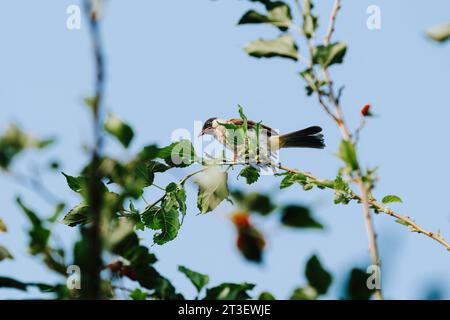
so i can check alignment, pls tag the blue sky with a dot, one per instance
(171, 63)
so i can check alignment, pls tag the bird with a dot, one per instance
(261, 142)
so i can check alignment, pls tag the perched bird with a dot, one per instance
(261, 142)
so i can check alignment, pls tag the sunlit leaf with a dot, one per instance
(440, 33)
(283, 47)
(213, 189)
(79, 215)
(391, 198)
(119, 129)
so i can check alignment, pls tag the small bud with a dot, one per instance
(365, 111)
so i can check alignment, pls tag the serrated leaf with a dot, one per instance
(330, 54)
(283, 47)
(299, 217)
(229, 291)
(198, 280)
(440, 33)
(165, 219)
(317, 276)
(391, 198)
(213, 189)
(251, 174)
(79, 215)
(119, 129)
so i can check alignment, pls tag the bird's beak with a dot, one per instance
(202, 133)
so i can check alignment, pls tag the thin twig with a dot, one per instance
(380, 207)
(332, 23)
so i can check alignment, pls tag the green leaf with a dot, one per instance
(265, 295)
(390, 199)
(278, 14)
(299, 217)
(75, 183)
(341, 191)
(79, 215)
(251, 174)
(198, 280)
(254, 202)
(357, 285)
(310, 22)
(141, 261)
(58, 210)
(213, 189)
(119, 129)
(317, 276)
(138, 294)
(14, 141)
(283, 47)
(253, 16)
(39, 235)
(306, 293)
(164, 218)
(290, 178)
(440, 33)
(179, 154)
(5, 254)
(329, 55)
(229, 291)
(347, 153)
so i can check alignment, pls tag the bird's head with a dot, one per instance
(209, 126)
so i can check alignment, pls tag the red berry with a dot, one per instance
(241, 220)
(365, 111)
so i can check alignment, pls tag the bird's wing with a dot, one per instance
(252, 125)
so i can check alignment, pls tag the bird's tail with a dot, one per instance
(306, 138)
